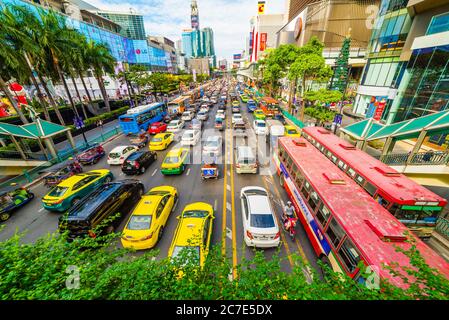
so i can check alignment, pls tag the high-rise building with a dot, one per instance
(197, 48)
(195, 16)
(187, 43)
(132, 26)
(263, 29)
(208, 42)
(170, 52)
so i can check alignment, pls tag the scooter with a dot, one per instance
(289, 225)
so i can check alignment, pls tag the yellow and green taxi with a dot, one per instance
(174, 162)
(193, 232)
(68, 192)
(244, 98)
(146, 223)
(161, 141)
(235, 103)
(291, 131)
(259, 114)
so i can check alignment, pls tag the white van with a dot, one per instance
(245, 160)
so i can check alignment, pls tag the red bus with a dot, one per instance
(343, 223)
(269, 106)
(412, 204)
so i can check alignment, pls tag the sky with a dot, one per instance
(229, 19)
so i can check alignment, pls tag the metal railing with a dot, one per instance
(15, 155)
(32, 174)
(442, 227)
(421, 158)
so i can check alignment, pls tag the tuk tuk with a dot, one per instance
(209, 168)
(91, 155)
(139, 140)
(61, 171)
(11, 198)
(219, 124)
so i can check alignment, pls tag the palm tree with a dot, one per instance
(100, 60)
(80, 58)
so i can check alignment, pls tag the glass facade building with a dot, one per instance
(132, 26)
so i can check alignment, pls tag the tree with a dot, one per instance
(309, 65)
(52, 269)
(100, 60)
(341, 73)
(323, 96)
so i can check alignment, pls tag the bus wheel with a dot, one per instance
(281, 179)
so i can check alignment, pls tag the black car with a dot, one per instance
(138, 162)
(102, 210)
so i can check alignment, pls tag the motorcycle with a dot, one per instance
(289, 226)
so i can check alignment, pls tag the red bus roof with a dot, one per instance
(390, 182)
(370, 226)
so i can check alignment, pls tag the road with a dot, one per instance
(223, 194)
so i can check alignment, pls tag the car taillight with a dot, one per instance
(136, 164)
(148, 237)
(249, 234)
(122, 158)
(277, 235)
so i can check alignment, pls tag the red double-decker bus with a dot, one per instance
(343, 223)
(412, 204)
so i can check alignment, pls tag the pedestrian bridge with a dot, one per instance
(15, 163)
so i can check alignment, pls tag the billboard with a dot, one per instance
(237, 56)
(376, 107)
(141, 51)
(263, 41)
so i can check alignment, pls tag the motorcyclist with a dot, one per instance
(289, 211)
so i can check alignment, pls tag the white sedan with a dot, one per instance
(260, 127)
(221, 114)
(190, 137)
(260, 228)
(236, 117)
(119, 154)
(175, 125)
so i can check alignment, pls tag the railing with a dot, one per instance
(419, 159)
(32, 174)
(293, 119)
(13, 155)
(442, 227)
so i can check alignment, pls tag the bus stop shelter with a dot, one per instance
(40, 130)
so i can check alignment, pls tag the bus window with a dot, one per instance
(334, 159)
(281, 153)
(335, 232)
(359, 179)
(293, 172)
(342, 165)
(409, 215)
(349, 255)
(127, 119)
(384, 203)
(306, 189)
(289, 163)
(351, 172)
(323, 215)
(299, 179)
(328, 154)
(314, 200)
(371, 189)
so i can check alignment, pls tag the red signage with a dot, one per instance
(263, 41)
(380, 109)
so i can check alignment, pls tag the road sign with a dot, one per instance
(78, 122)
(338, 118)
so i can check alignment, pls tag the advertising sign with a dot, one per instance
(251, 35)
(141, 51)
(261, 7)
(237, 56)
(263, 41)
(376, 107)
(380, 109)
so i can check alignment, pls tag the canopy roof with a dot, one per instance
(369, 129)
(35, 130)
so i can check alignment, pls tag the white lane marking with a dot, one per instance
(121, 174)
(35, 186)
(154, 172)
(268, 180)
(41, 209)
(229, 173)
(188, 172)
(215, 204)
(228, 206)
(228, 187)
(228, 233)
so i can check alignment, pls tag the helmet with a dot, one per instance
(289, 203)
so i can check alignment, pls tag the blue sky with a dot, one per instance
(228, 18)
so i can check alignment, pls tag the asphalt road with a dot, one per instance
(223, 194)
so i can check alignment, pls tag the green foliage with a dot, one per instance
(323, 96)
(41, 271)
(322, 114)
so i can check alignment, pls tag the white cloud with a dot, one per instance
(229, 19)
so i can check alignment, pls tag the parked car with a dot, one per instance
(148, 219)
(67, 193)
(91, 155)
(110, 201)
(157, 127)
(194, 231)
(213, 145)
(260, 228)
(119, 154)
(175, 125)
(138, 162)
(190, 137)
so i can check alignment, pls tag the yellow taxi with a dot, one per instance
(68, 192)
(174, 162)
(291, 131)
(194, 232)
(259, 115)
(161, 141)
(235, 104)
(146, 223)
